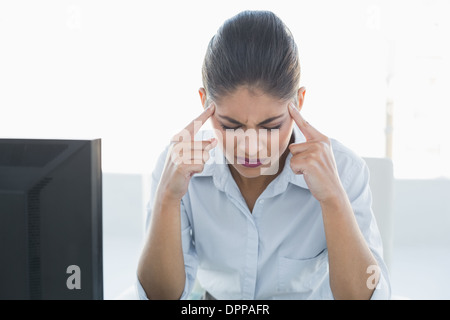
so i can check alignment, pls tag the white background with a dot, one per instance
(129, 71)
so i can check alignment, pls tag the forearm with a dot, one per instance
(161, 266)
(348, 252)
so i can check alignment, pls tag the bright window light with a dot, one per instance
(129, 73)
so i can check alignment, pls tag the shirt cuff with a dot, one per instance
(188, 285)
(140, 290)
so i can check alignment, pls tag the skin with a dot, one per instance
(349, 255)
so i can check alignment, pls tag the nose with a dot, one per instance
(250, 144)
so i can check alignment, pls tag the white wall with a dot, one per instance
(125, 197)
(129, 71)
(421, 257)
(422, 213)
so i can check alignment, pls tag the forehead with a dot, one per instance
(252, 103)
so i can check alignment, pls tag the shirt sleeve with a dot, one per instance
(360, 196)
(189, 253)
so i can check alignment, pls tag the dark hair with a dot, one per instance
(253, 49)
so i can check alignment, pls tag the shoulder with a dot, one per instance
(345, 154)
(160, 162)
(350, 165)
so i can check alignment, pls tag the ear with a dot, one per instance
(301, 97)
(202, 93)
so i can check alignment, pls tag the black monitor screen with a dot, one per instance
(50, 219)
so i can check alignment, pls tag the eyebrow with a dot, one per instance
(259, 124)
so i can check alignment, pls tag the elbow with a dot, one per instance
(353, 290)
(158, 289)
(353, 294)
(164, 294)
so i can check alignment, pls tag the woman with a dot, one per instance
(266, 206)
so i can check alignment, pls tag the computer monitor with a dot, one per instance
(50, 219)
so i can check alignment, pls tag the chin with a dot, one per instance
(250, 173)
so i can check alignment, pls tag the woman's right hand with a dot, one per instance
(185, 158)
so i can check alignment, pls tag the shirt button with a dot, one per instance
(261, 201)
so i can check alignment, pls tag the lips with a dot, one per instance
(249, 163)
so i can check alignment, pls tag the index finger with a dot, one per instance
(308, 130)
(194, 126)
(198, 122)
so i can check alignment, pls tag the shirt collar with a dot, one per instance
(217, 166)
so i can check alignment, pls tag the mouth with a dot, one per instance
(250, 163)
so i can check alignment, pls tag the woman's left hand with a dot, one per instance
(315, 160)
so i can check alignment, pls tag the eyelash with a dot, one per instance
(235, 128)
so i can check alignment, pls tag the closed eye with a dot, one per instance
(224, 127)
(229, 128)
(274, 128)
(238, 124)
